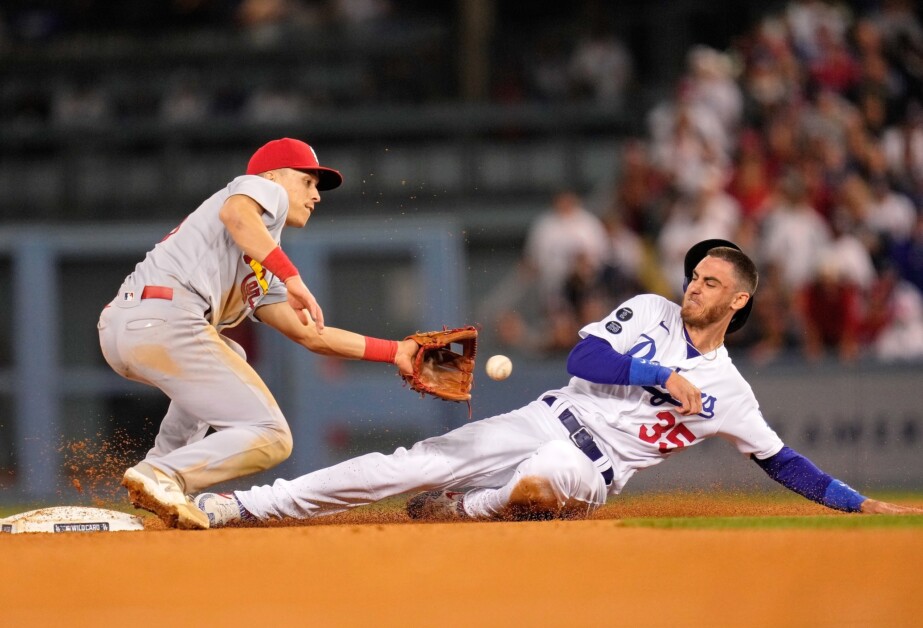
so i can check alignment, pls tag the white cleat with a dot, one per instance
(437, 506)
(222, 509)
(155, 491)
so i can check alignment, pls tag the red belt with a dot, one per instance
(157, 292)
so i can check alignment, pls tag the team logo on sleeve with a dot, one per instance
(258, 272)
(624, 314)
(613, 327)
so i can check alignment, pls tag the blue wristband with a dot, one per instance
(841, 496)
(643, 373)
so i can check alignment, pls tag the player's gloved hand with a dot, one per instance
(406, 351)
(303, 302)
(875, 507)
(688, 396)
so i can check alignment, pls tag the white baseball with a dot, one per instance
(498, 367)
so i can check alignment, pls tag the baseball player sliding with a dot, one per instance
(650, 379)
(163, 328)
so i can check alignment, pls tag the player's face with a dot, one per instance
(712, 294)
(303, 195)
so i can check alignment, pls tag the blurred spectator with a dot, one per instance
(902, 144)
(360, 15)
(891, 215)
(782, 141)
(708, 212)
(712, 85)
(600, 67)
(849, 255)
(833, 66)
(771, 323)
(639, 189)
(811, 20)
(81, 104)
(793, 233)
(752, 181)
(268, 21)
(563, 257)
(275, 103)
(902, 35)
(878, 80)
(827, 116)
(549, 75)
(623, 271)
(585, 300)
(184, 102)
(772, 76)
(907, 255)
(830, 312)
(901, 337)
(556, 239)
(687, 140)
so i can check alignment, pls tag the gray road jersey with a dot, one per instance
(200, 256)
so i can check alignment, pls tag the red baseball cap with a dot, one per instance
(289, 153)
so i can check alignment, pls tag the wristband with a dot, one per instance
(643, 373)
(841, 496)
(278, 263)
(378, 350)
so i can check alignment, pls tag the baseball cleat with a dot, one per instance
(155, 491)
(222, 509)
(437, 506)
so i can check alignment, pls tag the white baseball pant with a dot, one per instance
(490, 456)
(169, 344)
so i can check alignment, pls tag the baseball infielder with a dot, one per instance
(221, 264)
(650, 379)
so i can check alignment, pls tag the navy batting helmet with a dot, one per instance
(695, 255)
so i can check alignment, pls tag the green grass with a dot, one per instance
(825, 522)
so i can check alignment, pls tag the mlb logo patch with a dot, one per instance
(128, 296)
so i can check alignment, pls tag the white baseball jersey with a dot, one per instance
(201, 256)
(638, 426)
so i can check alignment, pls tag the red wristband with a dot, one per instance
(378, 350)
(278, 263)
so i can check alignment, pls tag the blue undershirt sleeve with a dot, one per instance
(594, 360)
(798, 474)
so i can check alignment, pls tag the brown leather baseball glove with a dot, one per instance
(439, 369)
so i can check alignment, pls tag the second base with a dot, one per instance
(70, 519)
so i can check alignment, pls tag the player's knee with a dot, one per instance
(557, 481)
(533, 497)
(280, 447)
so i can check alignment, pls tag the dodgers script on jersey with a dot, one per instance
(200, 256)
(637, 426)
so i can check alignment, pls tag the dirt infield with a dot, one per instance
(372, 567)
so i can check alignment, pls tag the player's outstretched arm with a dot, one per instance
(336, 342)
(796, 473)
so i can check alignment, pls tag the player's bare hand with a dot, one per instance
(303, 302)
(688, 396)
(403, 359)
(875, 507)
